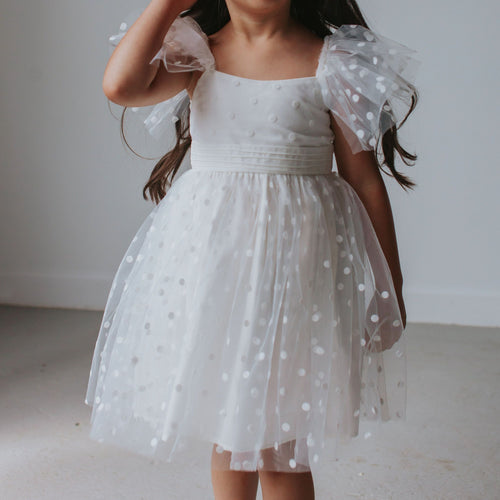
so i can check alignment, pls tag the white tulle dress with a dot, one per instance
(247, 310)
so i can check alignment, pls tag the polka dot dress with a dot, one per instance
(249, 311)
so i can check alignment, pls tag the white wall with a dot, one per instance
(70, 195)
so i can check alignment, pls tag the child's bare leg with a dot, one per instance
(280, 485)
(286, 485)
(232, 484)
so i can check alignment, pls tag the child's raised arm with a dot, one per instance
(129, 78)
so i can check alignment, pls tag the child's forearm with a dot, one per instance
(128, 69)
(376, 201)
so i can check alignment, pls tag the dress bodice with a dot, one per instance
(260, 125)
(227, 109)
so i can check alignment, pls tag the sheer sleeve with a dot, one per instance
(365, 80)
(185, 48)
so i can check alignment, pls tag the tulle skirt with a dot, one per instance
(246, 315)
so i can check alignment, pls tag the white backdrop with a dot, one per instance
(70, 194)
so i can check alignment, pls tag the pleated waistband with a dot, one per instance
(299, 160)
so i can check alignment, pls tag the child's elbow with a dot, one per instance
(114, 91)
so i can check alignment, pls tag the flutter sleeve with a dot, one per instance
(185, 48)
(366, 82)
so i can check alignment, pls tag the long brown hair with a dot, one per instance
(318, 16)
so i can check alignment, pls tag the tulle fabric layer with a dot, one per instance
(366, 82)
(236, 318)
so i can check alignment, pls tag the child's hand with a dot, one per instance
(381, 341)
(388, 335)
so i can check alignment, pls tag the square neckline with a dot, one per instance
(280, 81)
(264, 81)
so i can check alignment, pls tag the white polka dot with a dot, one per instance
(360, 133)
(396, 322)
(283, 355)
(292, 463)
(361, 287)
(306, 406)
(154, 442)
(374, 318)
(385, 294)
(246, 374)
(318, 350)
(272, 118)
(355, 97)
(301, 372)
(225, 377)
(326, 263)
(285, 426)
(129, 258)
(369, 115)
(316, 316)
(347, 270)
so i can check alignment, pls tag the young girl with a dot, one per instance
(259, 308)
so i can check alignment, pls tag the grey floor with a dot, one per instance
(448, 448)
